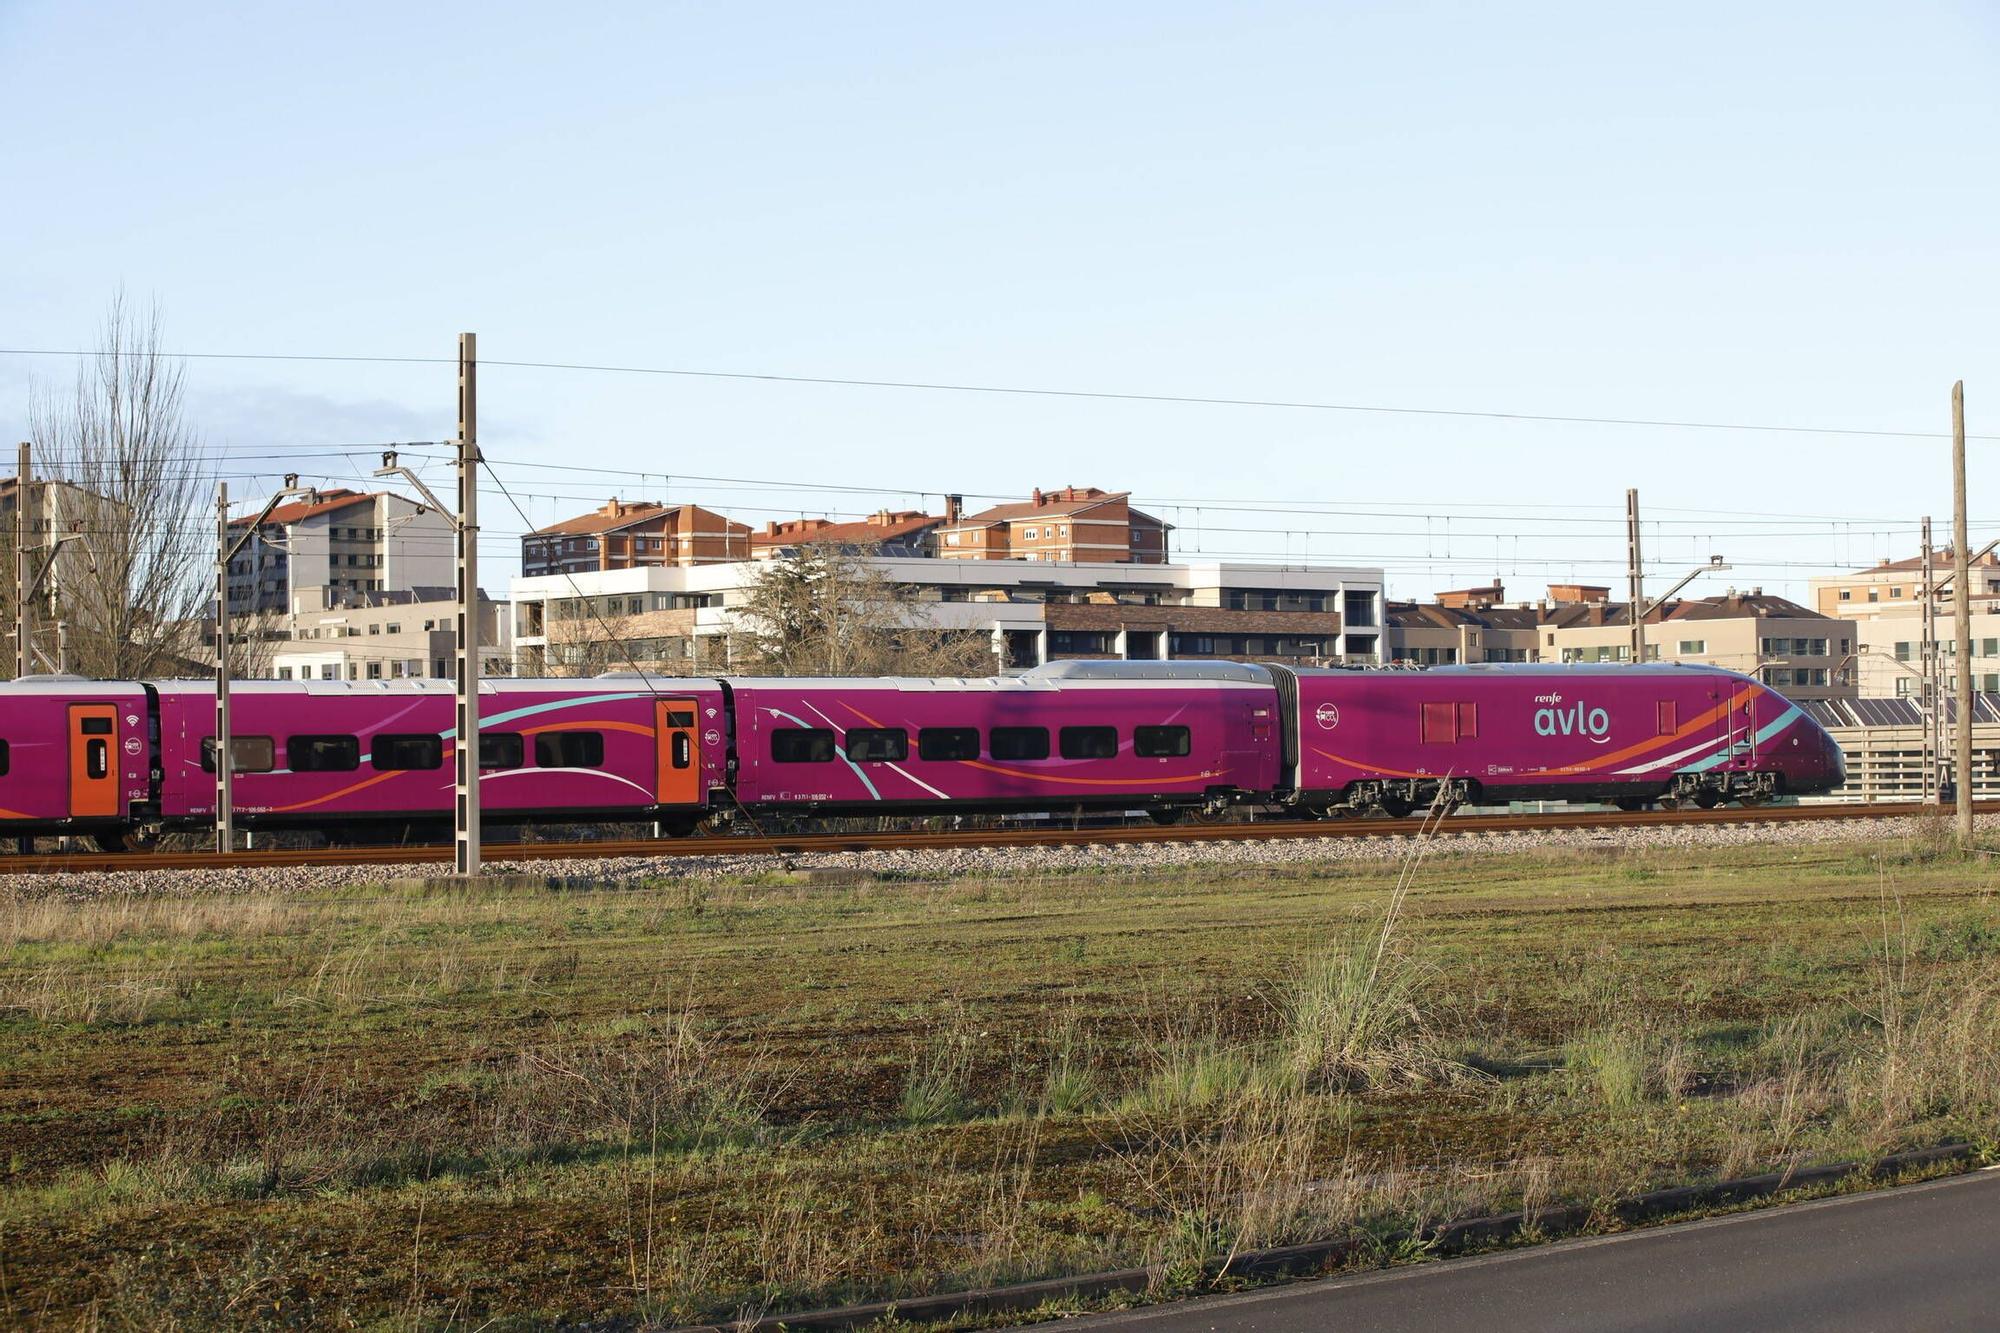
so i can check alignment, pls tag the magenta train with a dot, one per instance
(367, 760)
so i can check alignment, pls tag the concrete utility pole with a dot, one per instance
(1927, 659)
(1962, 613)
(466, 790)
(226, 551)
(21, 563)
(465, 767)
(1635, 570)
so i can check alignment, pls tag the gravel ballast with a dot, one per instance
(964, 862)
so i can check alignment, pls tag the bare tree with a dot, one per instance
(134, 601)
(822, 610)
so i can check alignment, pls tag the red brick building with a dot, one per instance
(625, 534)
(1079, 524)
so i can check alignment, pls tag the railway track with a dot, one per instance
(795, 844)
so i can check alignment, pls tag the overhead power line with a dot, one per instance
(1026, 391)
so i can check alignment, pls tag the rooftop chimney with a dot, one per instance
(954, 507)
(1038, 497)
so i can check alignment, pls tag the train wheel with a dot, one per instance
(1164, 815)
(1707, 798)
(1632, 804)
(1396, 807)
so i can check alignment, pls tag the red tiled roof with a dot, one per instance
(863, 530)
(329, 501)
(1054, 504)
(607, 519)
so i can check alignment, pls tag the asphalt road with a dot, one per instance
(1917, 1258)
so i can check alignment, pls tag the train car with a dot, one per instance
(367, 759)
(75, 757)
(1160, 736)
(1632, 735)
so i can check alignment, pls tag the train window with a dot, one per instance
(878, 745)
(683, 751)
(680, 717)
(421, 750)
(802, 745)
(247, 754)
(97, 726)
(1159, 742)
(1440, 728)
(1019, 743)
(1090, 742)
(322, 754)
(502, 749)
(569, 749)
(5, 759)
(948, 743)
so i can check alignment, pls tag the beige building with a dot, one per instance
(339, 634)
(1895, 587)
(1793, 649)
(1783, 644)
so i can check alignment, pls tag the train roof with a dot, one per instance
(1554, 669)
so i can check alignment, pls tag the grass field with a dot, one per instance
(519, 1105)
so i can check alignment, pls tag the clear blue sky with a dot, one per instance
(1784, 214)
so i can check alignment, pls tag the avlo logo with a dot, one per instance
(1578, 719)
(1327, 716)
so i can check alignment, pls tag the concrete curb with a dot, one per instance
(1317, 1256)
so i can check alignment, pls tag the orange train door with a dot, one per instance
(93, 772)
(680, 773)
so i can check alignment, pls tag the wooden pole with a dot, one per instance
(21, 564)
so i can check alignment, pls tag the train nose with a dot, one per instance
(1835, 761)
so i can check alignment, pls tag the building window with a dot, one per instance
(1846, 594)
(1065, 642)
(1693, 647)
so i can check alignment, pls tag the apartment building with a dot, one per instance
(344, 540)
(1463, 625)
(683, 619)
(1783, 644)
(1076, 524)
(344, 634)
(633, 534)
(55, 507)
(1896, 587)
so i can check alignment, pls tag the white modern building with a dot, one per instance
(682, 618)
(344, 541)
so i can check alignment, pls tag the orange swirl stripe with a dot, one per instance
(449, 749)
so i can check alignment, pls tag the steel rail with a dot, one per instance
(807, 843)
